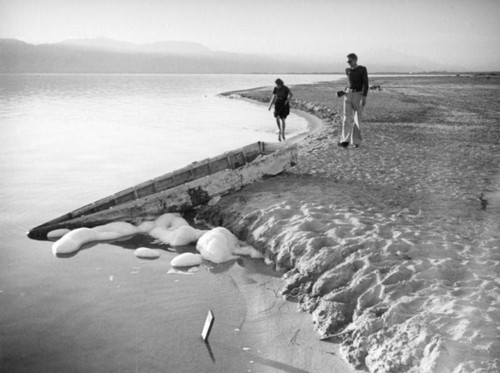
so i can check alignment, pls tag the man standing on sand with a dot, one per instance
(354, 101)
(281, 100)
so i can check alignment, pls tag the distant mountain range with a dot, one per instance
(104, 55)
(162, 47)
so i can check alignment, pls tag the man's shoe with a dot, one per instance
(344, 144)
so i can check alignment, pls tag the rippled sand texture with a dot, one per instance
(393, 247)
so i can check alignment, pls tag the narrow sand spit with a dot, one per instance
(394, 248)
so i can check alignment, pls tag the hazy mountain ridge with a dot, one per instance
(167, 47)
(104, 55)
(20, 57)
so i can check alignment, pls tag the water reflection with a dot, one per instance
(210, 352)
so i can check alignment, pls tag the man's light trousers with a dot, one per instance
(353, 112)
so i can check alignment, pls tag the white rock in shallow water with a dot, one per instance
(146, 253)
(116, 229)
(186, 260)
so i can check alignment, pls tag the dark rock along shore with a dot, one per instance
(392, 247)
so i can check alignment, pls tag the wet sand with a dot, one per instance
(392, 247)
(274, 335)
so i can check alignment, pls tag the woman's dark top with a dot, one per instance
(281, 92)
(358, 79)
(280, 108)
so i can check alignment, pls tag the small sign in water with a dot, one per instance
(208, 325)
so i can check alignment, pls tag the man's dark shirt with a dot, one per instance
(358, 78)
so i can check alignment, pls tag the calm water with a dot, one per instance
(67, 140)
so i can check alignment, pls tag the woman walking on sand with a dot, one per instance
(354, 101)
(281, 100)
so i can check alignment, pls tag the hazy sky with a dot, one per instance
(464, 32)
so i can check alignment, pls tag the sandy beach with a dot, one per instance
(392, 247)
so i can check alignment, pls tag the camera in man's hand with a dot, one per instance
(340, 93)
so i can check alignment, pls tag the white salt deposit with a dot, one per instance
(177, 271)
(186, 235)
(183, 235)
(73, 240)
(146, 253)
(57, 233)
(186, 260)
(162, 235)
(248, 251)
(173, 230)
(118, 229)
(217, 245)
(170, 220)
(145, 227)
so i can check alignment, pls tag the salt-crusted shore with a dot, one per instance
(393, 247)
